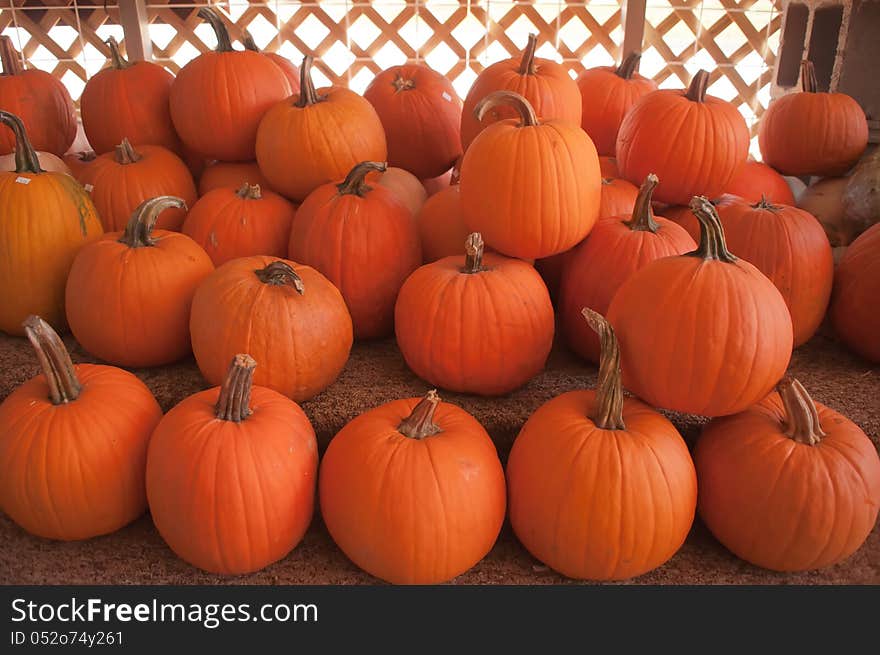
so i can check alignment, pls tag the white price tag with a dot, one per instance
(23, 180)
(447, 97)
(88, 188)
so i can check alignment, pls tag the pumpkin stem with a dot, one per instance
(224, 43)
(26, 160)
(307, 95)
(249, 191)
(401, 84)
(643, 216)
(279, 273)
(473, 260)
(802, 418)
(64, 387)
(763, 203)
(116, 59)
(247, 40)
(697, 89)
(608, 411)
(126, 154)
(527, 63)
(809, 83)
(455, 176)
(9, 57)
(628, 66)
(420, 423)
(86, 155)
(233, 404)
(712, 243)
(354, 183)
(526, 112)
(139, 229)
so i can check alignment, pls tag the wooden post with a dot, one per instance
(133, 16)
(633, 21)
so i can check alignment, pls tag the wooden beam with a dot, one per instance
(633, 20)
(133, 16)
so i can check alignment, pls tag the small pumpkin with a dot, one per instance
(73, 444)
(789, 484)
(129, 293)
(441, 223)
(78, 161)
(861, 197)
(231, 475)
(46, 218)
(120, 181)
(421, 114)
(691, 337)
(284, 314)
(478, 324)
(246, 221)
(754, 180)
(812, 133)
(601, 487)
(231, 175)
(856, 295)
(290, 70)
(405, 186)
(823, 199)
(505, 176)
(364, 241)
(412, 491)
(618, 197)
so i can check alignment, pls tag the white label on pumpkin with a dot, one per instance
(23, 180)
(447, 97)
(88, 188)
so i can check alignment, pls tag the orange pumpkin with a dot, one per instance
(441, 223)
(789, 246)
(231, 475)
(46, 218)
(812, 133)
(788, 484)
(475, 324)
(40, 100)
(608, 167)
(79, 161)
(231, 223)
(615, 249)
(73, 445)
(405, 186)
(421, 114)
(703, 333)
(856, 297)
(754, 181)
(120, 181)
(684, 217)
(618, 197)
(607, 94)
(366, 243)
(218, 99)
(129, 293)
(601, 487)
(316, 137)
(290, 70)
(48, 162)
(545, 84)
(412, 491)
(693, 141)
(289, 316)
(437, 184)
(128, 100)
(231, 175)
(505, 176)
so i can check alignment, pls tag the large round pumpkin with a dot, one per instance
(128, 100)
(754, 180)
(405, 186)
(44, 219)
(607, 94)
(231, 175)
(364, 241)
(476, 324)
(421, 114)
(120, 181)
(129, 293)
(40, 100)
(856, 299)
(545, 84)
(601, 487)
(286, 315)
(231, 475)
(694, 142)
(812, 133)
(531, 187)
(412, 491)
(218, 98)
(703, 333)
(317, 137)
(441, 223)
(290, 70)
(788, 484)
(73, 445)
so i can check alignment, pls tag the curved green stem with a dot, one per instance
(26, 160)
(64, 387)
(139, 229)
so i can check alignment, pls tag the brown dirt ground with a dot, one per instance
(376, 374)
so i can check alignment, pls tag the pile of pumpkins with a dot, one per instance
(321, 216)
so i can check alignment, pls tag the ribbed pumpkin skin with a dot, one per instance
(421, 114)
(232, 174)
(789, 246)
(595, 269)
(118, 189)
(227, 225)
(781, 504)
(405, 186)
(441, 225)
(290, 70)
(485, 333)
(412, 511)
(45, 107)
(618, 197)
(754, 180)
(229, 497)
(302, 340)
(76, 470)
(600, 504)
(44, 223)
(857, 295)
